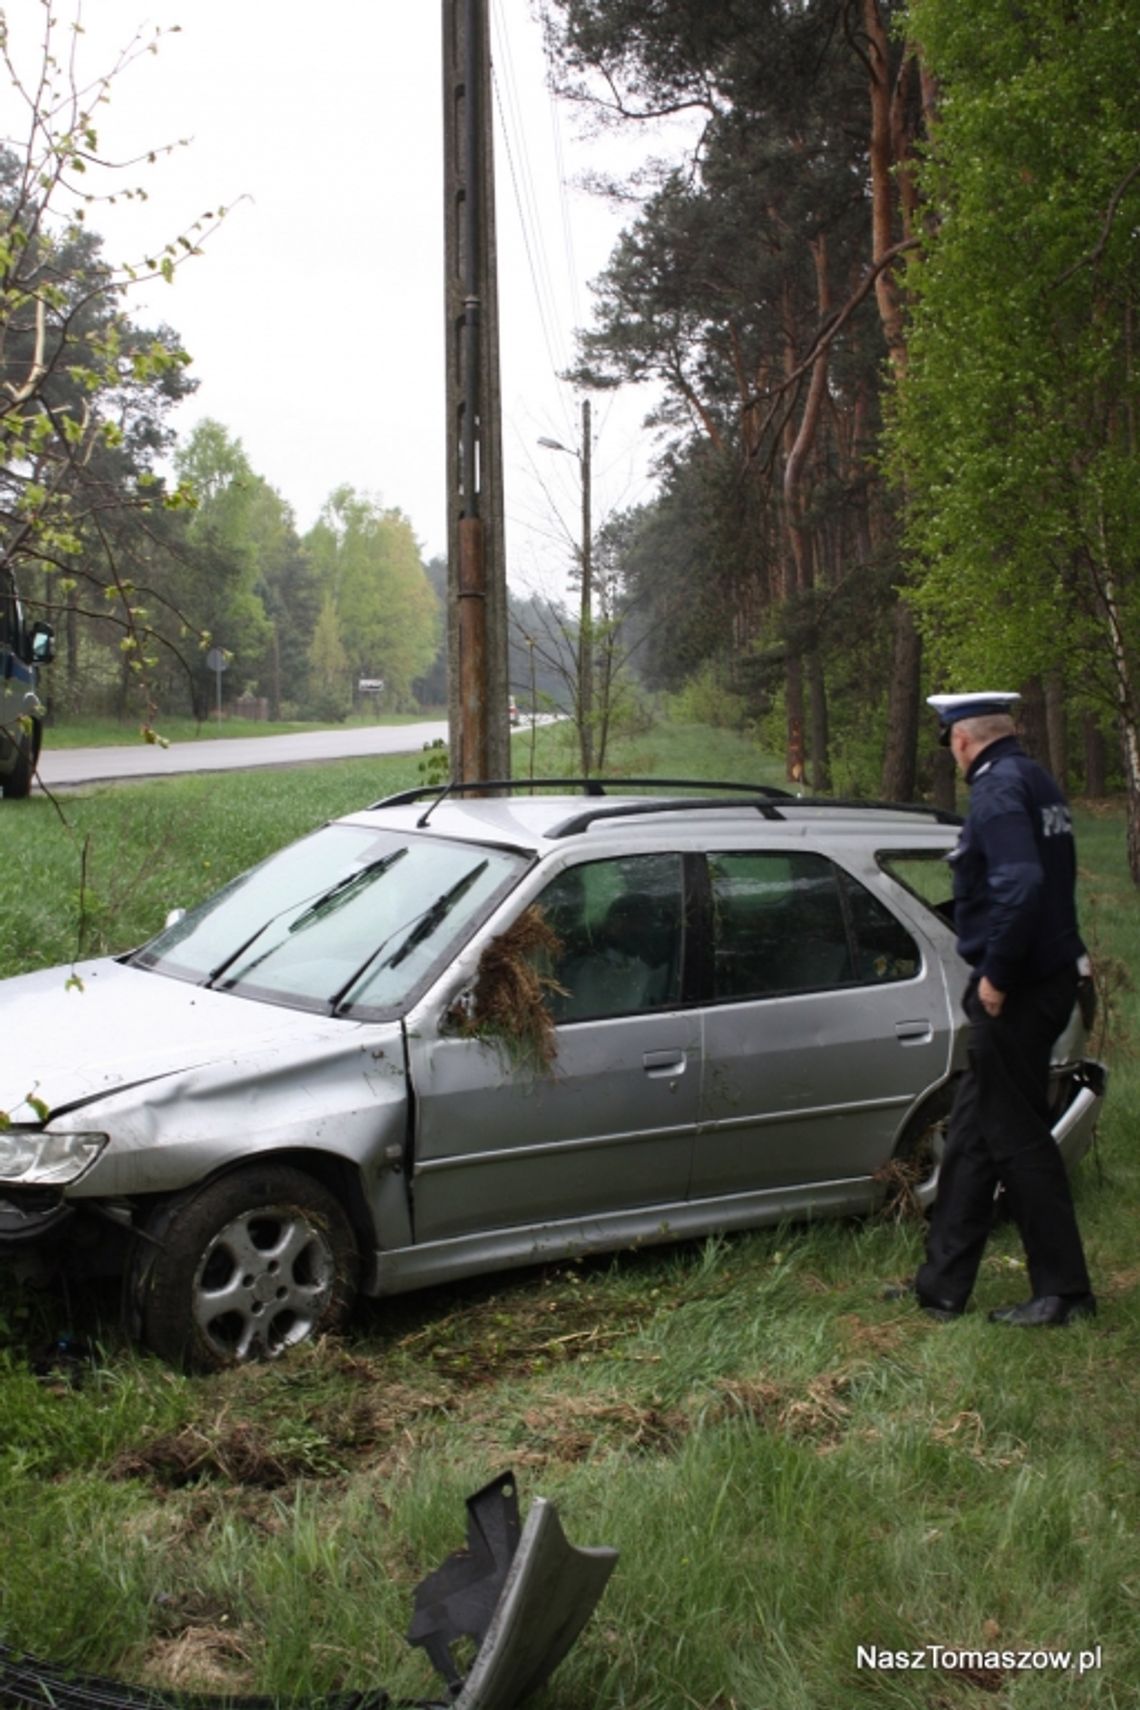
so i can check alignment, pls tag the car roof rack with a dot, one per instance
(769, 800)
(580, 786)
(785, 808)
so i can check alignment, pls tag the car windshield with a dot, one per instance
(349, 921)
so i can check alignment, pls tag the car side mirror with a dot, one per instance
(43, 644)
(459, 1014)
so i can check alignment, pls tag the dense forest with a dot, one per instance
(888, 301)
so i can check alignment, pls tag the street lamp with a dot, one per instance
(585, 624)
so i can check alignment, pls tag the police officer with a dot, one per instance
(1016, 924)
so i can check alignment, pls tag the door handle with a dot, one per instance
(661, 1063)
(914, 1032)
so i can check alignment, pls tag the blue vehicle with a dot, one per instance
(23, 649)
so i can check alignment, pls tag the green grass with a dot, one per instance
(790, 1466)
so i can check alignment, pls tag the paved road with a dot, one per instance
(60, 767)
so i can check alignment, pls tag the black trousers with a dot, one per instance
(999, 1133)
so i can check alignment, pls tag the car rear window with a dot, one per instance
(925, 873)
(795, 923)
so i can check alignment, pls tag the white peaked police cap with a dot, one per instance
(950, 708)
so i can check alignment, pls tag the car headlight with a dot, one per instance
(46, 1160)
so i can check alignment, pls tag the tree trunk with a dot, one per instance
(71, 631)
(1056, 729)
(1033, 728)
(1127, 703)
(1130, 745)
(884, 162)
(799, 573)
(1096, 761)
(943, 776)
(820, 738)
(899, 766)
(794, 690)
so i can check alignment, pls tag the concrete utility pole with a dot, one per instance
(476, 577)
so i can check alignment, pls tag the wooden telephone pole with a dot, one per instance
(476, 576)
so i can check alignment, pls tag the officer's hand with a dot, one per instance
(989, 997)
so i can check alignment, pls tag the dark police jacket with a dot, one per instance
(1015, 871)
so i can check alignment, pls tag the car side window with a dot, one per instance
(794, 923)
(621, 935)
(884, 949)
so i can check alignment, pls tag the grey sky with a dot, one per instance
(314, 317)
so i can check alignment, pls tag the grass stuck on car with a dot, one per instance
(457, 1032)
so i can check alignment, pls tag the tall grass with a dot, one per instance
(790, 1467)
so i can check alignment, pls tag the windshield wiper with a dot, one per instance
(336, 894)
(345, 889)
(439, 909)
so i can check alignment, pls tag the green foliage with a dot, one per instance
(330, 693)
(435, 766)
(86, 390)
(707, 698)
(1013, 434)
(369, 568)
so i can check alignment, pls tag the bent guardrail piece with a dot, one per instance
(524, 1599)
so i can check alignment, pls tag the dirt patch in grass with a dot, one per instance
(572, 1428)
(210, 1658)
(496, 1340)
(1120, 1283)
(869, 1336)
(816, 1411)
(241, 1453)
(316, 1442)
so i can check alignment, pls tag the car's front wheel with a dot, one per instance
(18, 782)
(245, 1268)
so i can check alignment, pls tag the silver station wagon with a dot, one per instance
(454, 1033)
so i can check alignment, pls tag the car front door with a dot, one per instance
(503, 1140)
(826, 1023)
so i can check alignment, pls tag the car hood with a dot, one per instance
(71, 1035)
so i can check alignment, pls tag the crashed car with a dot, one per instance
(454, 1033)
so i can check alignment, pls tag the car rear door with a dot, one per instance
(827, 1020)
(503, 1141)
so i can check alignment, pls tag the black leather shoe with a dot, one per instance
(1046, 1309)
(942, 1310)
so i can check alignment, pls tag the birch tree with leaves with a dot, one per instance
(77, 376)
(1016, 421)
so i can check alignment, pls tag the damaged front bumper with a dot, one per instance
(1075, 1126)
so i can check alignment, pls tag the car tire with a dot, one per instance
(18, 782)
(244, 1269)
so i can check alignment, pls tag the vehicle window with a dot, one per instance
(792, 923)
(349, 920)
(884, 949)
(926, 875)
(621, 928)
